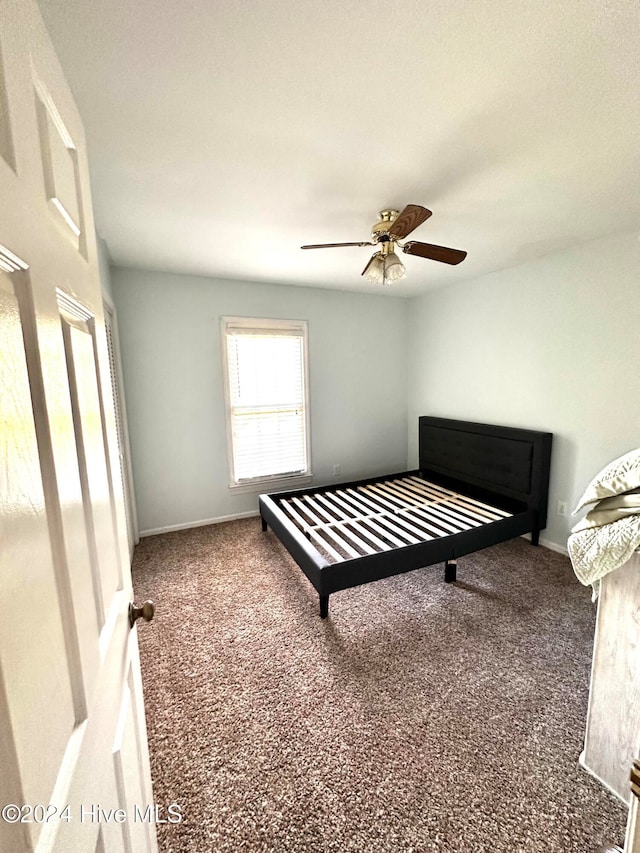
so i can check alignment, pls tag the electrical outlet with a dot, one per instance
(336, 470)
(562, 508)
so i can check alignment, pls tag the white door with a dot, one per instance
(73, 747)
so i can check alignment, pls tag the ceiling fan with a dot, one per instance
(393, 226)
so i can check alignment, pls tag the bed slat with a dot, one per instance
(377, 523)
(434, 531)
(374, 493)
(362, 530)
(476, 503)
(368, 519)
(346, 532)
(338, 540)
(336, 509)
(329, 549)
(399, 528)
(303, 508)
(291, 511)
(318, 509)
(434, 516)
(401, 495)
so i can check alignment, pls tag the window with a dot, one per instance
(266, 396)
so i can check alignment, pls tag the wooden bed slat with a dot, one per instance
(353, 529)
(440, 519)
(438, 511)
(318, 509)
(304, 525)
(429, 525)
(375, 506)
(379, 543)
(432, 487)
(433, 493)
(376, 523)
(380, 531)
(402, 494)
(337, 528)
(420, 532)
(363, 510)
(346, 532)
(446, 504)
(329, 531)
(353, 502)
(303, 508)
(337, 509)
(480, 516)
(374, 493)
(451, 509)
(399, 528)
(376, 517)
(493, 509)
(334, 498)
(329, 549)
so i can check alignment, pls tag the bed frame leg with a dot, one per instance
(324, 606)
(450, 570)
(264, 523)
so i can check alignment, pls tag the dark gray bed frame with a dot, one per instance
(503, 466)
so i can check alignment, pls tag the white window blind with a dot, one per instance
(266, 385)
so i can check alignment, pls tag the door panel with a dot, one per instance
(6, 140)
(96, 493)
(30, 625)
(127, 759)
(59, 164)
(68, 543)
(72, 731)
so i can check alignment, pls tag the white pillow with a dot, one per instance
(620, 476)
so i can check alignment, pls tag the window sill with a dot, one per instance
(275, 484)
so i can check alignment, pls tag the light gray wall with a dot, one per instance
(553, 345)
(171, 350)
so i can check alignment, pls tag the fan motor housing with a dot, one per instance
(381, 228)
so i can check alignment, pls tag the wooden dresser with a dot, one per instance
(612, 739)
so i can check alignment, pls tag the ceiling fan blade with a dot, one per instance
(434, 253)
(335, 245)
(408, 220)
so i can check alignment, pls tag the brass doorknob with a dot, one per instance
(147, 612)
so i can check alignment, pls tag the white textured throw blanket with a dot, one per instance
(610, 532)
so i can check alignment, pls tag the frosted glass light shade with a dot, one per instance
(374, 270)
(394, 269)
(384, 268)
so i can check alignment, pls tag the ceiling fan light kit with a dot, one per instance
(385, 266)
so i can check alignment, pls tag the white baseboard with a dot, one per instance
(202, 523)
(547, 543)
(553, 546)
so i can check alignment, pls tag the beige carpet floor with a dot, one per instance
(421, 716)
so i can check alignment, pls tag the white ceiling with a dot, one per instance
(223, 134)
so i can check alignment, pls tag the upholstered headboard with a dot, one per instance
(506, 461)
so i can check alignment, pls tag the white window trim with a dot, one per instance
(276, 482)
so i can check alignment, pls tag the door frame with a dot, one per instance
(111, 316)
